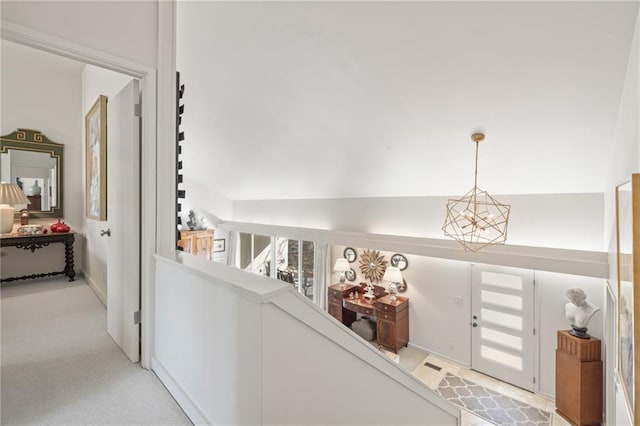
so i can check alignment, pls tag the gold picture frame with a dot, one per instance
(628, 271)
(95, 123)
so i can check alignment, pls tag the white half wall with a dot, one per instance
(238, 348)
(95, 82)
(569, 221)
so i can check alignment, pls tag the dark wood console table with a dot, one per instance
(34, 242)
(392, 317)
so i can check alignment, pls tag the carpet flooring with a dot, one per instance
(490, 405)
(60, 367)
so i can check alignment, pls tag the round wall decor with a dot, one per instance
(399, 261)
(350, 254)
(372, 265)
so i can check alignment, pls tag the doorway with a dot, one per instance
(146, 164)
(502, 321)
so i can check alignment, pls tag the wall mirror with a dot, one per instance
(628, 259)
(34, 162)
(350, 254)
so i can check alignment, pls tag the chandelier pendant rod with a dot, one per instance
(475, 185)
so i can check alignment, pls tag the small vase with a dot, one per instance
(35, 189)
(60, 227)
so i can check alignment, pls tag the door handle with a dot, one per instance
(474, 324)
(106, 232)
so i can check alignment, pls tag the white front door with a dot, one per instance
(502, 320)
(123, 214)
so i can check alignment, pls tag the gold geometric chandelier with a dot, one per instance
(477, 219)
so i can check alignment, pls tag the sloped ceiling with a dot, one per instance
(365, 99)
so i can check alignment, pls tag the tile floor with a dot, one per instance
(430, 377)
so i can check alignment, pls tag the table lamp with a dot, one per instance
(342, 266)
(10, 195)
(394, 277)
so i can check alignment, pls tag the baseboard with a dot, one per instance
(189, 407)
(439, 355)
(96, 289)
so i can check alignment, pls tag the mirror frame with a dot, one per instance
(34, 140)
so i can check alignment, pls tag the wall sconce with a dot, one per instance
(477, 219)
(341, 265)
(10, 195)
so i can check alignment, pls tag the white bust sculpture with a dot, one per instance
(579, 312)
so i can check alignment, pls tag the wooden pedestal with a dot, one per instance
(578, 379)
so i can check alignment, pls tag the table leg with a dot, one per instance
(68, 258)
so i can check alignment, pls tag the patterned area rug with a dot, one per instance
(489, 404)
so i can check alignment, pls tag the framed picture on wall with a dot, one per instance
(95, 123)
(628, 269)
(219, 245)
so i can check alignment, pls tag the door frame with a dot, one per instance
(154, 89)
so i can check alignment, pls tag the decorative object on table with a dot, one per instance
(350, 254)
(628, 263)
(341, 266)
(372, 265)
(350, 274)
(192, 223)
(400, 261)
(10, 195)
(49, 156)
(369, 292)
(31, 230)
(35, 189)
(60, 227)
(477, 219)
(579, 312)
(24, 217)
(96, 163)
(393, 276)
(402, 287)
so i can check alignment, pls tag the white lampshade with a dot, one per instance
(10, 195)
(342, 265)
(392, 275)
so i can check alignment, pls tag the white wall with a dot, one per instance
(95, 82)
(440, 324)
(43, 92)
(572, 221)
(625, 160)
(127, 29)
(245, 349)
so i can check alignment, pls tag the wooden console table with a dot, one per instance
(392, 317)
(34, 242)
(198, 242)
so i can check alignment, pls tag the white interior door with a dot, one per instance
(502, 336)
(123, 215)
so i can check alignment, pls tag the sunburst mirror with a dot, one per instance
(372, 265)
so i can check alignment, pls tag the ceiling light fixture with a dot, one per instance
(477, 219)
